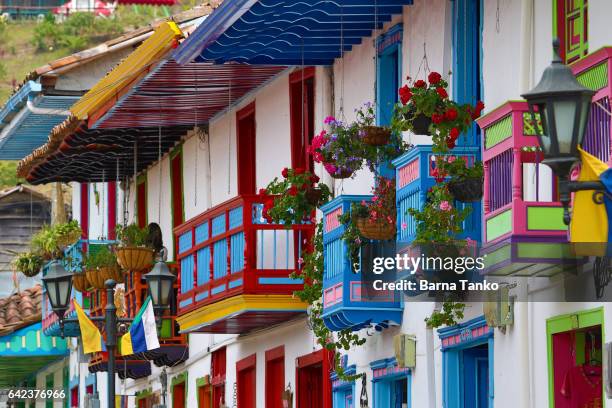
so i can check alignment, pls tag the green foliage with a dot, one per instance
(28, 263)
(460, 171)
(102, 257)
(8, 173)
(312, 274)
(132, 235)
(450, 315)
(294, 198)
(50, 241)
(439, 220)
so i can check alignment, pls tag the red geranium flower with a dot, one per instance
(314, 179)
(434, 78)
(292, 191)
(405, 94)
(437, 118)
(263, 192)
(420, 84)
(450, 143)
(285, 172)
(454, 133)
(442, 92)
(450, 114)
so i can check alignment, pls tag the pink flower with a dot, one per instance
(331, 169)
(300, 261)
(404, 225)
(329, 120)
(374, 199)
(445, 206)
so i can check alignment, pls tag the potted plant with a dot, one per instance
(44, 243)
(370, 134)
(294, 198)
(67, 233)
(425, 108)
(466, 183)
(377, 218)
(133, 253)
(341, 151)
(28, 263)
(80, 282)
(101, 265)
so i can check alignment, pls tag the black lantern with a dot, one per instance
(58, 284)
(563, 105)
(160, 281)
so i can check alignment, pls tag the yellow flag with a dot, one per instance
(90, 335)
(589, 227)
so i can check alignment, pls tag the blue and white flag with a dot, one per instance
(142, 335)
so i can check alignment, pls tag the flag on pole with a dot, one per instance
(142, 335)
(92, 338)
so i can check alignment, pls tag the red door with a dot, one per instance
(245, 119)
(313, 380)
(301, 96)
(178, 396)
(177, 189)
(204, 397)
(141, 203)
(275, 377)
(246, 382)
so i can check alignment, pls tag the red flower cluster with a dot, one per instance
(434, 78)
(453, 135)
(438, 175)
(442, 92)
(420, 84)
(405, 94)
(318, 142)
(477, 110)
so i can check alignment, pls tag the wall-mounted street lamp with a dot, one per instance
(58, 284)
(563, 105)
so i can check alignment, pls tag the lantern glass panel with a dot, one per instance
(64, 292)
(165, 292)
(154, 290)
(564, 111)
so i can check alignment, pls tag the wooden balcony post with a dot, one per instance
(487, 187)
(517, 175)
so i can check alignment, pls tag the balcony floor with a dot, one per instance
(242, 314)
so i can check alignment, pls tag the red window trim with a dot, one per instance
(246, 363)
(246, 111)
(275, 353)
(296, 77)
(321, 356)
(112, 210)
(84, 210)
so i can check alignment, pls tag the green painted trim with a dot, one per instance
(545, 219)
(176, 380)
(552, 250)
(498, 132)
(497, 256)
(596, 77)
(529, 129)
(499, 225)
(567, 322)
(165, 330)
(202, 382)
(143, 394)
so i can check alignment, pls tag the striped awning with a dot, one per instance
(286, 32)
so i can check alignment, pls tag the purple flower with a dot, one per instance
(329, 120)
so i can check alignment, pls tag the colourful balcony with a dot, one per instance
(346, 305)
(174, 348)
(235, 267)
(72, 262)
(524, 233)
(414, 178)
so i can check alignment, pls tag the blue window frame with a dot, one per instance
(343, 392)
(391, 384)
(467, 365)
(388, 72)
(467, 59)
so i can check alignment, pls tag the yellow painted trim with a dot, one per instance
(150, 51)
(236, 305)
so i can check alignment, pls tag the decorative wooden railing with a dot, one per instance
(346, 305)
(72, 262)
(231, 250)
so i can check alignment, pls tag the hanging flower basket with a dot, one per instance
(95, 278)
(468, 190)
(313, 196)
(379, 229)
(376, 135)
(80, 282)
(64, 241)
(111, 272)
(134, 258)
(420, 124)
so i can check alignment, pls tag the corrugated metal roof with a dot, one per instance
(31, 130)
(17, 101)
(286, 32)
(128, 71)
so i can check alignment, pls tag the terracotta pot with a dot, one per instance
(95, 278)
(134, 258)
(380, 230)
(111, 272)
(468, 191)
(80, 282)
(376, 135)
